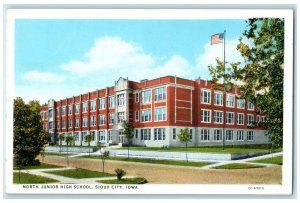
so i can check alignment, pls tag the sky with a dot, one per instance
(63, 58)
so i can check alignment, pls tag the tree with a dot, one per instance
(184, 136)
(104, 155)
(29, 136)
(88, 138)
(61, 138)
(260, 76)
(46, 141)
(128, 132)
(69, 140)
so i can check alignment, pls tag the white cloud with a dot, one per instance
(211, 52)
(38, 76)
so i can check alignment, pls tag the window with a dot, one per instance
(218, 117)
(57, 111)
(84, 107)
(101, 103)
(77, 123)
(146, 134)
(257, 118)
(159, 134)
(250, 106)
(109, 135)
(70, 123)
(229, 100)
(160, 94)
(160, 114)
(50, 125)
(101, 135)
(121, 117)
(218, 99)
(42, 115)
(50, 113)
(229, 117)
(240, 119)
(218, 134)
(250, 119)
(57, 125)
(93, 105)
(205, 116)
(191, 134)
(146, 97)
(121, 99)
(250, 135)
(70, 109)
(262, 119)
(240, 103)
(137, 115)
(101, 119)
(229, 135)
(137, 97)
(93, 135)
(63, 124)
(146, 115)
(63, 111)
(111, 118)
(174, 133)
(93, 121)
(111, 102)
(204, 135)
(136, 133)
(205, 96)
(84, 122)
(239, 135)
(77, 108)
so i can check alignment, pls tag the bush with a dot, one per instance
(120, 173)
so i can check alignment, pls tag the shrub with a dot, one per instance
(120, 173)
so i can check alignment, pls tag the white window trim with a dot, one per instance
(155, 114)
(141, 115)
(94, 100)
(228, 94)
(207, 90)
(101, 98)
(70, 122)
(109, 119)
(99, 115)
(232, 135)
(166, 94)
(137, 98)
(237, 117)
(86, 109)
(210, 118)
(248, 119)
(136, 118)
(78, 109)
(213, 134)
(232, 119)
(237, 103)
(222, 117)
(252, 135)
(237, 136)
(78, 123)
(85, 123)
(109, 107)
(209, 135)
(62, 111)
(217, 92)
(145, 90)
(250, 109)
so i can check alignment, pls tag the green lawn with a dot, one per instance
(80, 173)
(152, 161)
(238, 166)
(26, 178)
(124, 181)
(215, 149)
(41, 166)
(272, 160)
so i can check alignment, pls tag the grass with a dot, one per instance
(214, 149)
(80, 173)
(40, 166)
(238, 166)
(153, 161)
(124, 181)
(26, 178)
(271, 160)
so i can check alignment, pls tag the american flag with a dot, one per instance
(217, 38)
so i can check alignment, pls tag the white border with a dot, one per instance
(284, 189)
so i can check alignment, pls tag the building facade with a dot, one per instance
(158, 109)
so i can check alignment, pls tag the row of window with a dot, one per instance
(217, 135)
(146, 96)
(230, 117)
(218, 100)
(101, 136)
(160, 114)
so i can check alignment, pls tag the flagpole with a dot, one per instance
(224, 102)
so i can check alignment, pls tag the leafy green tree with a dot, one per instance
(88, 139)
(69, 140)
(61, 138)
(260, 76)
(104, 155)
(29, 136)
(128, 132)
(184, 136)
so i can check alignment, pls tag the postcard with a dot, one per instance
(149, 101)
